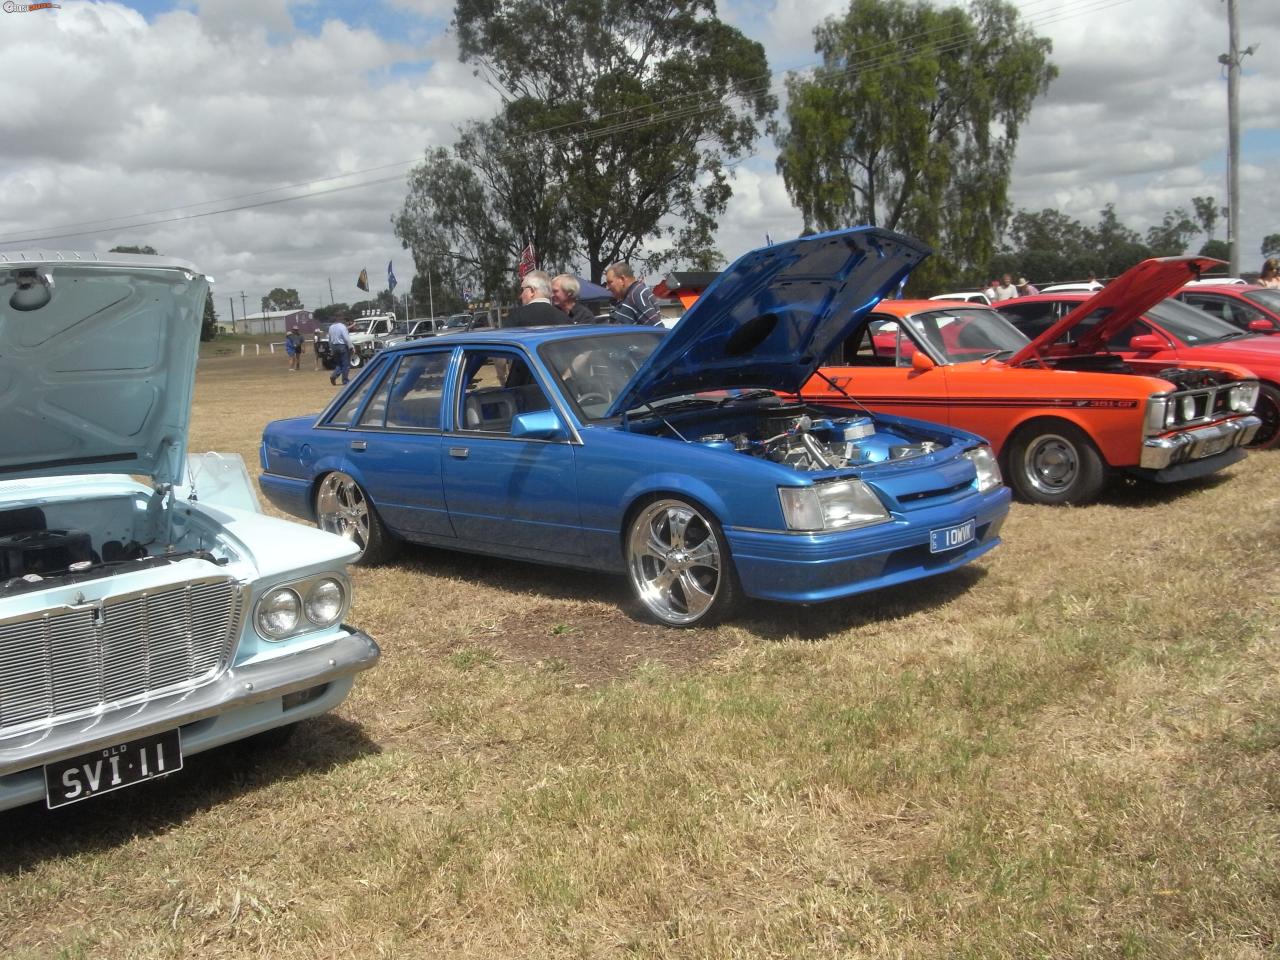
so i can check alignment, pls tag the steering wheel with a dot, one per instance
(594, 398)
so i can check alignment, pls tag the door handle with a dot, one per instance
(358, 445)
(459, 453)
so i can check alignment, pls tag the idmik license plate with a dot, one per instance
(78, 778)
(948, 538)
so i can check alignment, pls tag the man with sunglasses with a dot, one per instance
(536, 309)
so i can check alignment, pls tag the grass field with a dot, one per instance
(1069, 749)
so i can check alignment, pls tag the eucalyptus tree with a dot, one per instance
(911, 122)
(618, 126)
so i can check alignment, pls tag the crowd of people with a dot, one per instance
(547, 301)
(1006, 289)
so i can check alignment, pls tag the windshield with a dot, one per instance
(1268, 299)
(399, 327)
(964, 334)
(592, 371)
(1190, 324)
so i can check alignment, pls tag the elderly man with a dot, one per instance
(564, 295)
(634, 301)
(535, 308)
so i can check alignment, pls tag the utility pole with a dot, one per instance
(330, 291)
(244, 312)
(232, 301)
(1231, 60)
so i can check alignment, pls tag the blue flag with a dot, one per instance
(391, 277)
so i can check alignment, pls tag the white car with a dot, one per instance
(141, 623)
(1216, 282)
(1090, 286)
(968, 296)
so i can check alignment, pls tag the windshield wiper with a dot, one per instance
(756, 394)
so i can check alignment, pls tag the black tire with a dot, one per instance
(1268, 411)
(1053, 463)
(343, 508)
(678, 563)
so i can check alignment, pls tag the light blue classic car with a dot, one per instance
(139, 625)
(678, 458)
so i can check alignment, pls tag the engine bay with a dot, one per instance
(63, 543)
(806, 439)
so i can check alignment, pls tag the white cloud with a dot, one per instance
(109, 113)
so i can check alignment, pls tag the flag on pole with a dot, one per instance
(391, 277)
(528, 260)
(362, 281)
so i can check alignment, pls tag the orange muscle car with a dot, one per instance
(1061, 424)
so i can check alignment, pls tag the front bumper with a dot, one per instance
(1198, 444)
(812, 568)
(241, 702)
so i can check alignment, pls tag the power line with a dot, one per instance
(641, 117)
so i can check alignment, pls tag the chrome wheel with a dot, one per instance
(342, 508)
(677, 563)
(1051, 464)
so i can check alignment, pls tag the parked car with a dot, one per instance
(968, 296)
(1061, 424)
(1251, 308)
(1166, 333)
(415, 329)
(664, 456)
(1084, 286)
(139, 625)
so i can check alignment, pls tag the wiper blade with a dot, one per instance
(756, 394)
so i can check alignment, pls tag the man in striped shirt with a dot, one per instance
(634, 301)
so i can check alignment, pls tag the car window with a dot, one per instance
(410, 396)
(1270, 299)
(497, 386)
(343, 415)
(1190, 325)
(965, 333)
(592, 370)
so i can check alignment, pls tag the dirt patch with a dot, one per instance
(595, 644)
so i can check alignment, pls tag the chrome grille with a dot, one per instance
(75, 660)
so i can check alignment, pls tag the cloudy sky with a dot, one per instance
(145, 122)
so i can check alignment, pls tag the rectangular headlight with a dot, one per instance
(988, 469)
(1244, 397)
(1157, 420)
(831, 506)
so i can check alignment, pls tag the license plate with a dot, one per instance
(1215, 446)
(111, 768)
(948, 538)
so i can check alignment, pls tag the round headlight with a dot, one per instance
(1188, 408)
(325, 601)
(278, 613)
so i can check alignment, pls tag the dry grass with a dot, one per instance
(1067, 750)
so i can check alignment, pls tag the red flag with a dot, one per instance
(528, 261)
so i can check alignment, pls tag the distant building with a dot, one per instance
(275, 321)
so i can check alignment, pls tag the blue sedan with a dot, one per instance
(680, 459)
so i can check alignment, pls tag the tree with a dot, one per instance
(911, 123)
(617, 122)
(209, 326)
(1271, 245)
(1117, 247)
(1172, 235)
(334, 311)
(1207, 211)
(281, 299)
(1218, 249)
(150, 251)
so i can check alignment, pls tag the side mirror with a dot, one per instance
(920, 362)
(1261, 326)
(1146, 343)
(539, 425)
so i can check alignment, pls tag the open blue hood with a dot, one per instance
(775, 315)
(97, 363)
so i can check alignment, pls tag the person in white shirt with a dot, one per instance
(1006, 290)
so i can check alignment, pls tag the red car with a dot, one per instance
(1255, 309)
(1168, 331)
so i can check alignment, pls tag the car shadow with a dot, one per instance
(504, 573)
(784, 621)
(32, 834)
(1134, 493)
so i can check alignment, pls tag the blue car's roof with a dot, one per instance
(531, 337)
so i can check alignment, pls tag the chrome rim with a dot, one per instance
(1051, 464)
(341, 508)
(675, 560)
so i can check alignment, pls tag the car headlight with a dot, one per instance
(1160, 414)
(1244, 397)
(301, 606)
(278, 613)
(325, 601)
(988, 469)
(831, 506)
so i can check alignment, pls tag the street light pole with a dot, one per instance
(1231, 60)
